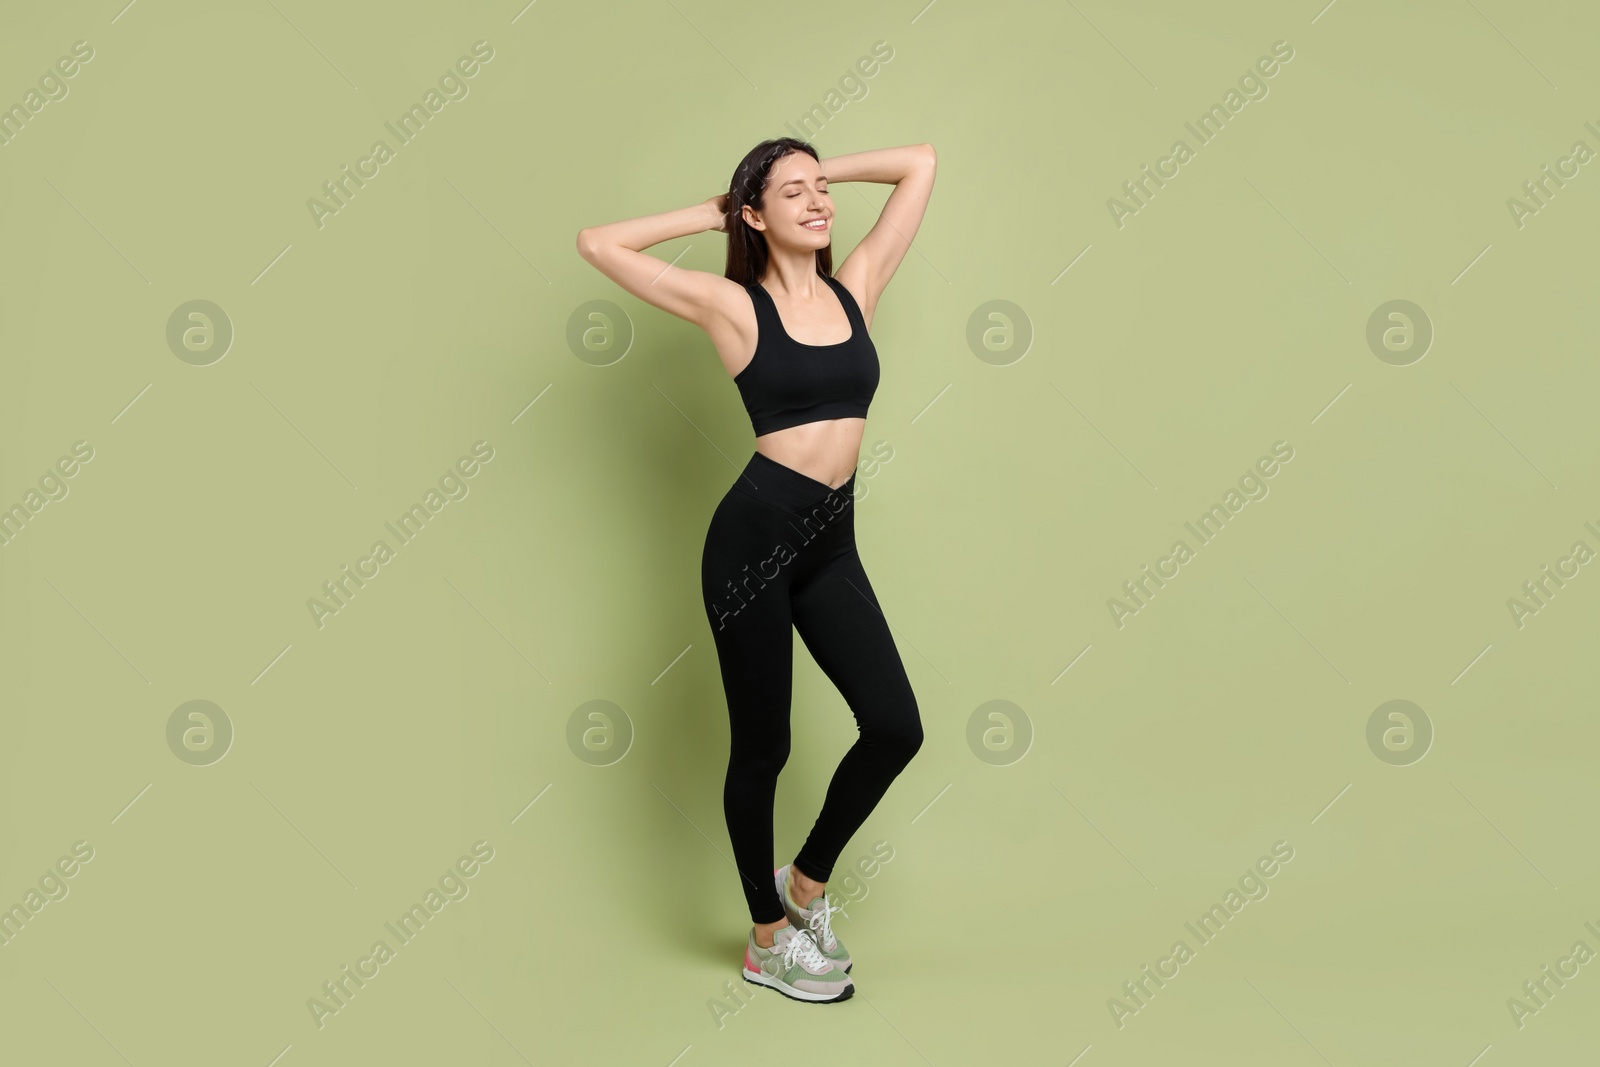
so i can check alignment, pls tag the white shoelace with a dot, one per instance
(819, 924)
(803, 948)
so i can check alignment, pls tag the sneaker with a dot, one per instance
(794, 967)
(814, 917)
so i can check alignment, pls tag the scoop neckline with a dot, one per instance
(787, 336)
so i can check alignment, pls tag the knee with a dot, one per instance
(907, 743)
(758, 762)
(901, 737)
(913, 739)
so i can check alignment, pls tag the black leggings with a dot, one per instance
(781, 551)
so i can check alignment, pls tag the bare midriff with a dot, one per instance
(826, 451)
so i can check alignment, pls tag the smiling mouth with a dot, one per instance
(816, 224)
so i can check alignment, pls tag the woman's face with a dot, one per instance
(797, 194)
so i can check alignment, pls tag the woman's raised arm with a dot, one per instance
(615, 250)
(911, 170)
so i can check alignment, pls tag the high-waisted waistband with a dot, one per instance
(784, 487)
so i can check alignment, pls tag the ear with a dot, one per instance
(750, 217)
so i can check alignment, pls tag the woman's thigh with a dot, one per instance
(844, 628)
(745, 576)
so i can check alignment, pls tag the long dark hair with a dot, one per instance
(747, 248)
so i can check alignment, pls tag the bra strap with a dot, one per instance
(851, 309)
(767, 324)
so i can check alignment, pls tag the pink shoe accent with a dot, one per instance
(749, 963)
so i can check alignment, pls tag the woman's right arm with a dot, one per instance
(615, 250)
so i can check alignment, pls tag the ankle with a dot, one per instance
(764, 932)
(803, 890)
(802, 898)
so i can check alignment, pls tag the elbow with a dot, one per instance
(592, 243)
(927, 161)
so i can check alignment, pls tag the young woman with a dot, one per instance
(780, 549)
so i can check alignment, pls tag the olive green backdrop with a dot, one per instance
(1325, 317)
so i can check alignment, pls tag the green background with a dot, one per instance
(1024, 488)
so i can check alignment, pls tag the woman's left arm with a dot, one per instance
(910, 169)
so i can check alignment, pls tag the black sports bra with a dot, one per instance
(787, 383)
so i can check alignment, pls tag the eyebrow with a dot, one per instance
(801, 181)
